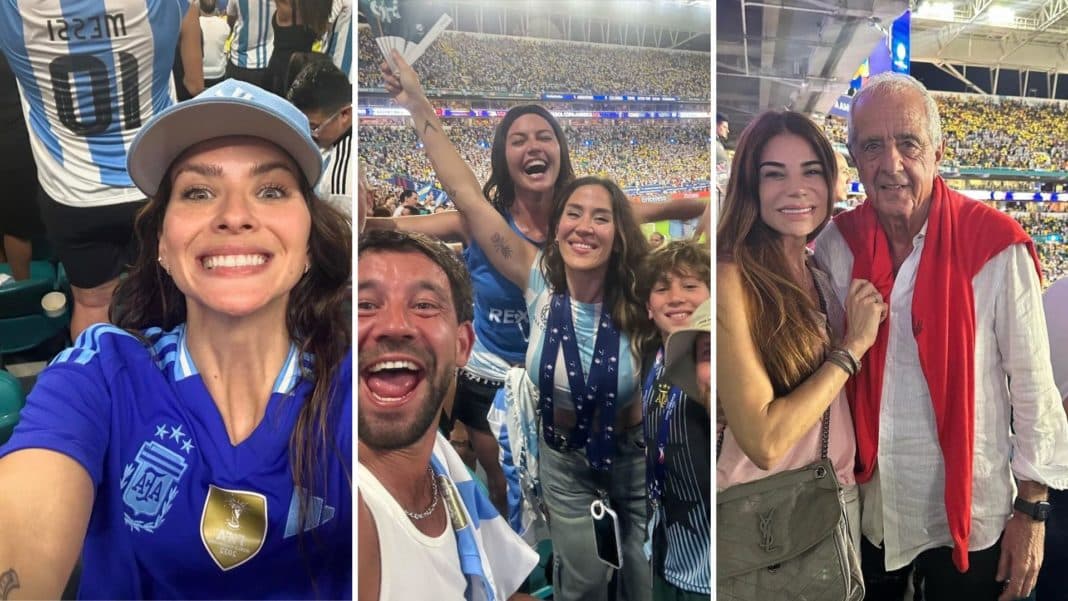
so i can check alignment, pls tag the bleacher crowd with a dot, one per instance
(1053, 254)
(620, 150)
(497, 64)
(994, 133)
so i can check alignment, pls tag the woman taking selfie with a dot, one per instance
(201, 446)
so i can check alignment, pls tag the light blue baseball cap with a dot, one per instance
(231, 108)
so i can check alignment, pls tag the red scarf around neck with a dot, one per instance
(962, 235)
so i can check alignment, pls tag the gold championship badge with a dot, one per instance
(233, 525)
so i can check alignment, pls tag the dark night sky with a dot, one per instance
(1008, 82)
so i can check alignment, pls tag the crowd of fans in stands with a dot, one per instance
(496, 64)
(620, 150)
(994, 133)
(1054, 255)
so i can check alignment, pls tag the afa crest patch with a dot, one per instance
(150, 483)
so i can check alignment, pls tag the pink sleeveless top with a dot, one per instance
(734, 467)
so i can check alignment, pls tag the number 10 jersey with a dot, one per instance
(90, 73)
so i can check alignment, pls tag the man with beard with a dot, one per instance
(418, 508)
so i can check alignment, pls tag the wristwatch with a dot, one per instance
(1038, 511)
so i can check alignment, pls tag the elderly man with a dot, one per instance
(960, 429)
(426, 530)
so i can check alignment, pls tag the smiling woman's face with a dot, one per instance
(236, 230)
(533, 153)
(794, 197)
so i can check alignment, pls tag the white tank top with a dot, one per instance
(414, 565)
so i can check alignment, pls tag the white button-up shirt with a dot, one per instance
(903, 506)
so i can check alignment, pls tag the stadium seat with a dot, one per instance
(11, 402)
(23, 324)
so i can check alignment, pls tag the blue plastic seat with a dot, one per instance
(23, 324)
(11, 402)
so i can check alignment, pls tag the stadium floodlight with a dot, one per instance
(1001, 15)
(943, 11)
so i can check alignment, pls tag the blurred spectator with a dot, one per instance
(723, 129)
(409, 204)
(20, 221)
(323, 93)
(296, 27)
(252, 42)
(338, 40)
(215, 30)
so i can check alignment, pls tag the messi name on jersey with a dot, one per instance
(99, 27)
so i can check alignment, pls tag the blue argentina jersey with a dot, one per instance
(502, 329)
(253, 37)
(90, 73)
(179, 512)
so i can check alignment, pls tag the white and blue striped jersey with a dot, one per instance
(253, 38)
(338, 39)
(90, 72)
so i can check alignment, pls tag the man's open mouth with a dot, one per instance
(392, 381)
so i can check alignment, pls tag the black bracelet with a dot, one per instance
(841, 362)
(852, 358)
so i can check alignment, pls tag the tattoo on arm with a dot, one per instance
(501, 246)
(9, 581)
(428, 125)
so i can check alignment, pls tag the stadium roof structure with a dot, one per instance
(666, 24)
(796, 54)
(1028, 37)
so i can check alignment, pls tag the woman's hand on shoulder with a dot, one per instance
(865, 310)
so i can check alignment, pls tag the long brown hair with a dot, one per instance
(773, 301)
(317, 320)
(629, 250)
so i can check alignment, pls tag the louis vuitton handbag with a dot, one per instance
(786, 537)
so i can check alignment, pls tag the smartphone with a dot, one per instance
(606, 533)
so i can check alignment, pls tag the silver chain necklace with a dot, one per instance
(434, 499)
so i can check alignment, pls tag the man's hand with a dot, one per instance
(1021, 556)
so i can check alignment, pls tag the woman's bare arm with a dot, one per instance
(506, 250)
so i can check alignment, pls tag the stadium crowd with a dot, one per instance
(1005, 133)
(621, 150)
(1050, 233)
(994, 132)
(458, 61)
